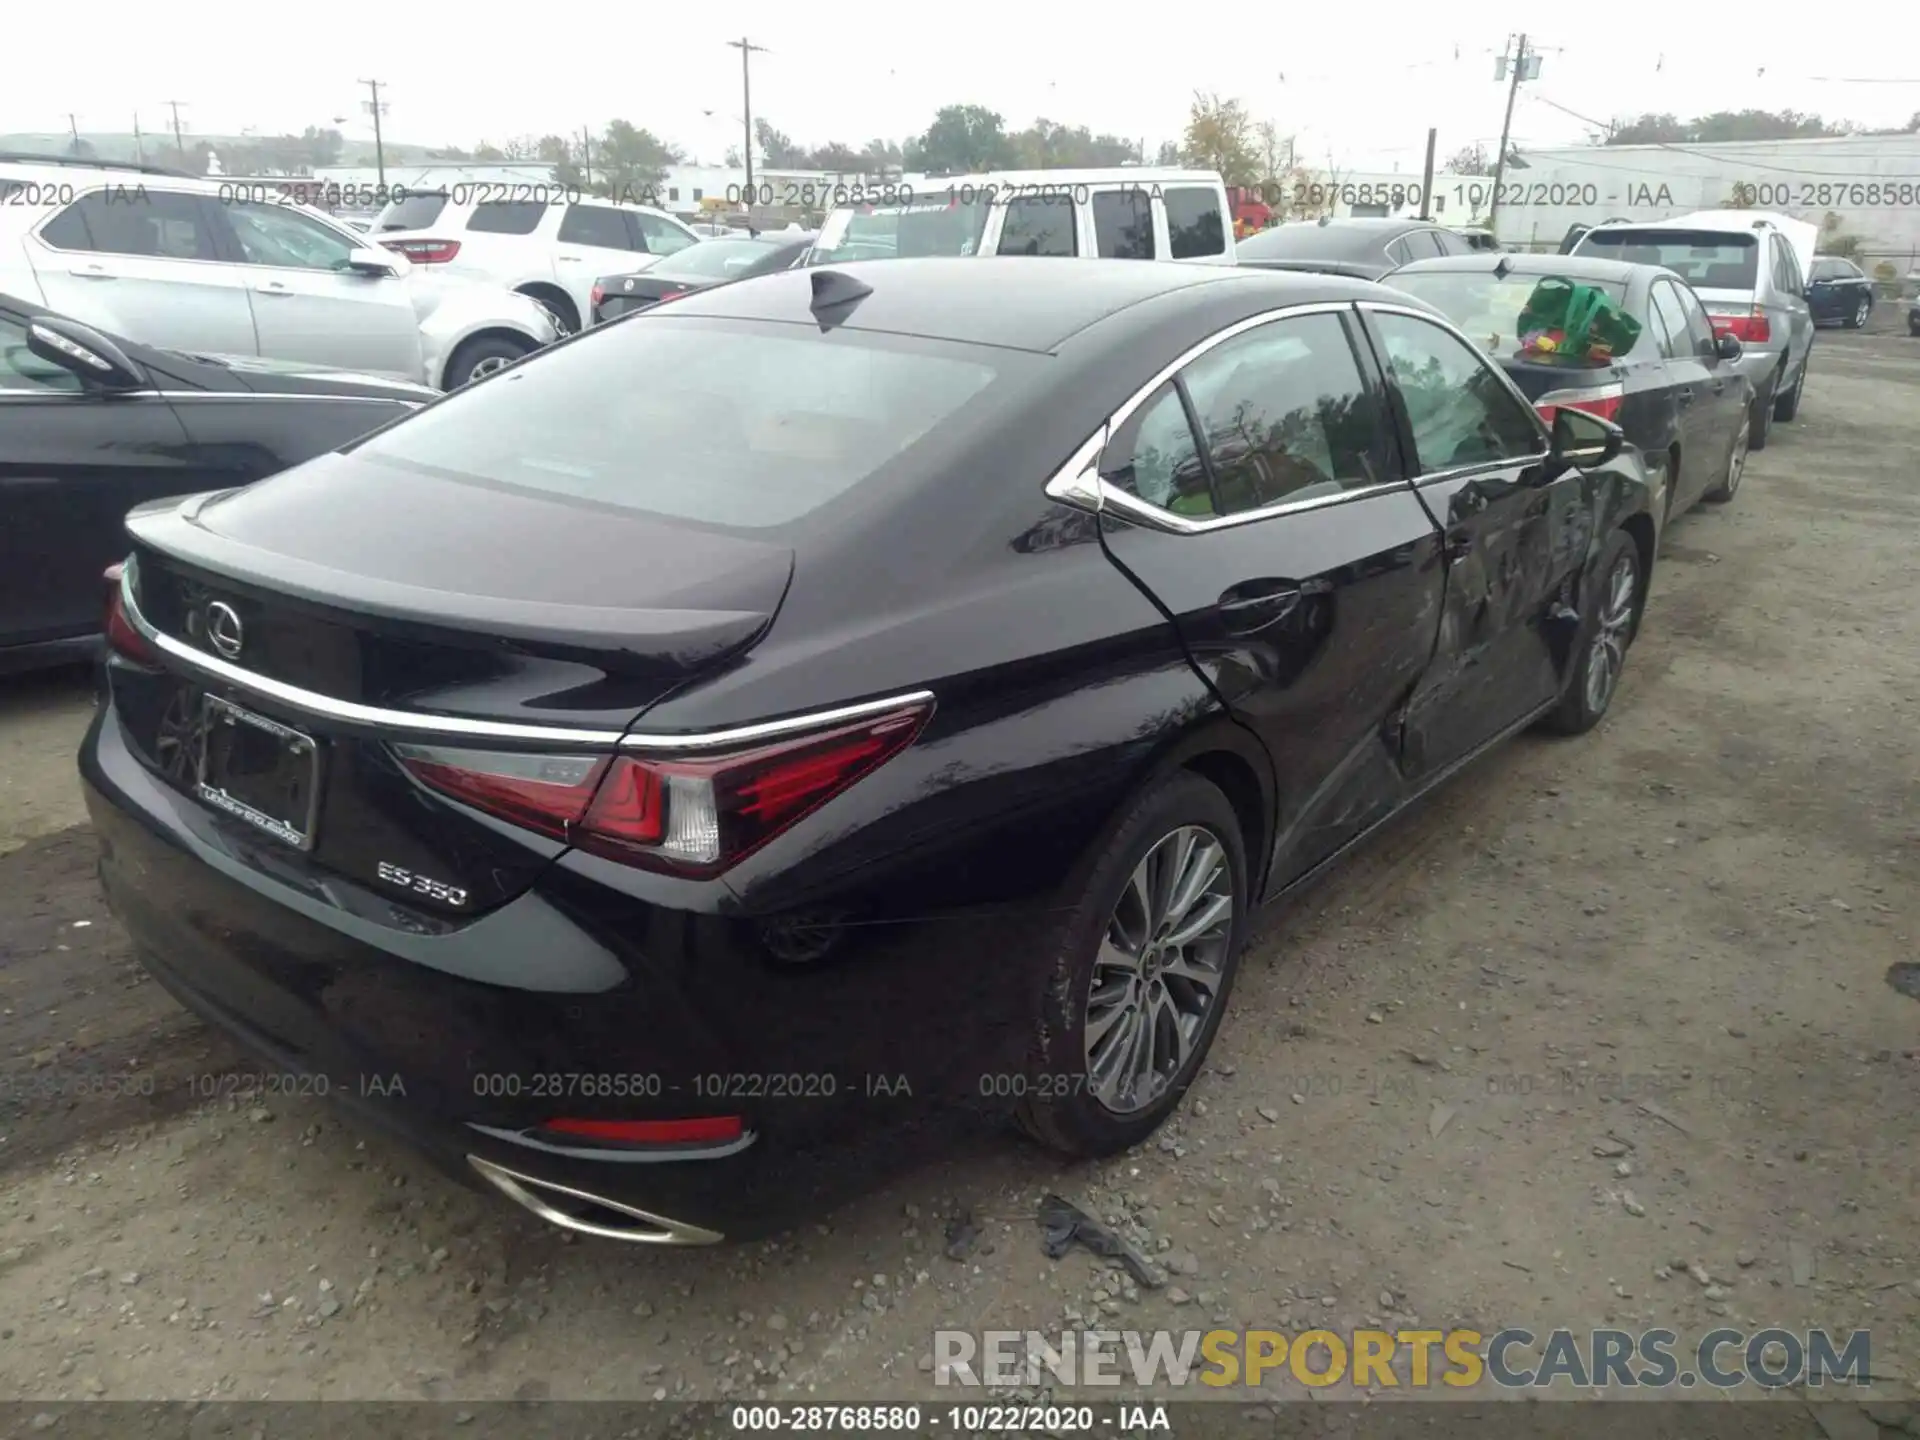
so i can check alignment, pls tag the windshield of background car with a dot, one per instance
(1705, 259)
(720, 422)
(416, 212)
(715, 259)
(1487, 306)
(934, 226)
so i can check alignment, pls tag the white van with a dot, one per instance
(1126, 213)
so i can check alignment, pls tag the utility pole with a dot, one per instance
(746, 48)
(139, 148)
(178, 143)
(586, 157)
(374, 107)
(73, 127)
(1516, 69)
(1426, 178)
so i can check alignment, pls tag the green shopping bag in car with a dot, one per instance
(1562, 317)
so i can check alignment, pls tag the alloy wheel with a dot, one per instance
(492, 364)
(1860, 313)
(1160, 969)
(1608, 653)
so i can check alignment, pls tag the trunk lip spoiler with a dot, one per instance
(421, 723)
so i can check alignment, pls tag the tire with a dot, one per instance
(1913, 324)
(1736, 466)
(1862, 308)
(480, 357)
(1606, 632)
(562, 311)
(1075, 1103)
(1760, 415)
(1788, 405)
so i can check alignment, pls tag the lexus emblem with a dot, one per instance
(223, 629)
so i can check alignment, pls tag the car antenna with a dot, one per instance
(1501, 269)
(833, 290)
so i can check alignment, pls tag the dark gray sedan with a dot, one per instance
(1364, 248)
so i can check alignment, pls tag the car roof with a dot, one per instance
(1574, 267)
(1032, 303)
(1328, 239)
(1045, 180)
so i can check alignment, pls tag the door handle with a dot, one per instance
(271, 287)
(1457, 546)
(1257, 604)
(92, 272)
(571, 259)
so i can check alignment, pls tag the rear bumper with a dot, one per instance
(462, 1042)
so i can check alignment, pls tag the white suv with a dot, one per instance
(226, 268)
(549, 242)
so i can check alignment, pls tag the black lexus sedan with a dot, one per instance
(1676, 393)
(833, 705)
(711, 262)
(92, 425)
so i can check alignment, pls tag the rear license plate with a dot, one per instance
(266, 773)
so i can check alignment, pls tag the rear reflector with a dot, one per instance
(693, 816)
(425, 252)
(1747, 325)
(122, 638)
(1602, 400)
(705, 1128)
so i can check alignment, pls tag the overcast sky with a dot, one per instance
(1361, 81)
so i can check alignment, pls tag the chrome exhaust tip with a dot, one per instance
(589, 1214)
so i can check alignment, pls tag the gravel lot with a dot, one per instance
(1672, 942)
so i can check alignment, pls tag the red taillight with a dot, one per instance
(670, 295)
(1601, 400)
(706, 1128)
(697, 816)
(1749, 327)
(596, 297)
(122, 638)
(425, 252)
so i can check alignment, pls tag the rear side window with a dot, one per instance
(1038, 225)
(740, 425)
(507, 217)
(1283, 415)
(416, 212)
(1705, 259)
(597, 225)
(1196, 226)
(656, 236)
(1123, 224)
(152, 223)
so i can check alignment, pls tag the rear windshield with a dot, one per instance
(1489, 307)
(1706, 259)
(715, 259)
(416, 212)
(722, 423)
(1305, 240)
(922, 227)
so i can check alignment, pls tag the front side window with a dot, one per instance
(601, 226)
(21, 369)
(1196, 225)
(1123, 224)
(506, 217)
(1699, 326)
(153, 223)
(1038, 225)
(278, 236)
(1460, 412)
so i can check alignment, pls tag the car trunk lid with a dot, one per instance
(366, 616)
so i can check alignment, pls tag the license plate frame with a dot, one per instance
(220, 713)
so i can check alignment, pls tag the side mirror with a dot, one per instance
(1583, 441)
(1727, 347)
(83, 351)
(377, 261)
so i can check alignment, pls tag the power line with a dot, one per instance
(1721, 159)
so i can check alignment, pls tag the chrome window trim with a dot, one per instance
(1072, 485)
(1440, 322)
(409, 722)
(117, 397)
